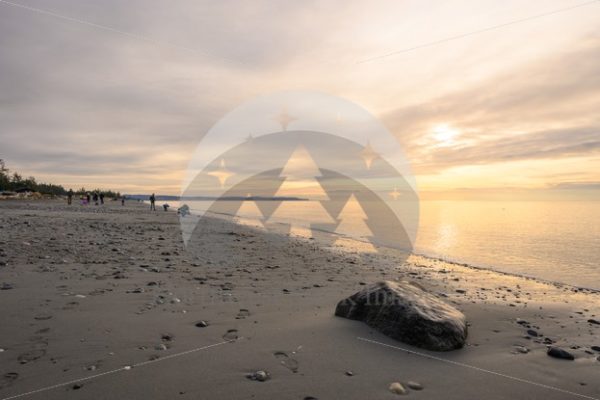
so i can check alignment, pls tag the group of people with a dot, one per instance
(98, 199)
(87, 198)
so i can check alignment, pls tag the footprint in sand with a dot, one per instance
(287, 361)
(31, 355)
(8, 379)
(231, 334)
(43, 317)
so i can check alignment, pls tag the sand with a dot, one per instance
(103, 302)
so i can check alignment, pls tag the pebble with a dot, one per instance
(414, 385)
(397, 388)
(595, 348)
(594, 321)
(349, 373)
(557, 352)
(260, 376)
(6, 286)
(202, 324)
(522, 349)
(161, 347)
(531, 332)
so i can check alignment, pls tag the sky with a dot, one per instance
(118, 94)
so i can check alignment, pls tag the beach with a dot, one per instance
(106, 302)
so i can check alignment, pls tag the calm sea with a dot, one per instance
(557, 241)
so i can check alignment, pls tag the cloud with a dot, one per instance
(78, 100)
(543, 110)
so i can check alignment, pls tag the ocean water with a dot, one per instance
(557, 240)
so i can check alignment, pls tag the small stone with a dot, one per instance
(160, 347)
(595, 348)
(521, 349)
(414, 385)
(397, 388)
(532, 333)
(557, 352)
(127, 367)
(77, 386)
(202, 324)
(260, 376)
(6, 286)
(594, 321)
(349, 373)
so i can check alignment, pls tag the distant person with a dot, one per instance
(101, 198)
(166, 207)
(88, 198)
(96, 199)
(123, 200)
(152, 202)
(70, 197)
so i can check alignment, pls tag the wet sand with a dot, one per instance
(110, 294)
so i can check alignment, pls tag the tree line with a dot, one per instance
(11, 182)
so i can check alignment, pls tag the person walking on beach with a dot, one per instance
(96, 198)
(152, 201)
(88, 198)
(70, 196)
(123, 200)
(101, 198)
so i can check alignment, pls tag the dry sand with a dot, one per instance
(90, 290)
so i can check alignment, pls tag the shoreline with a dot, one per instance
(448, 260)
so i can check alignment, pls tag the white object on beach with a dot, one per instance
(183, 210)
(397, 388)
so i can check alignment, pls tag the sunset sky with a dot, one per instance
(118, 94)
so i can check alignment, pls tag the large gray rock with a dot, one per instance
(405, 312)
